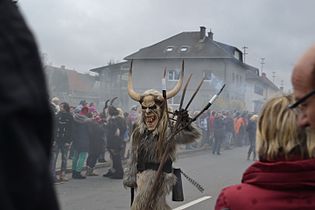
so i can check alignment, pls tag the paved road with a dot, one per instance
(212, 171)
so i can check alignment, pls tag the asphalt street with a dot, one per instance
(213, 172)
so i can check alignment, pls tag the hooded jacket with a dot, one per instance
(272, 185)
(81, 133)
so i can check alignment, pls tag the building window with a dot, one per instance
(169, 49)
(257, 106)
(259, 90)
(175, 101)
(184, 49)
(237, 55)
(207, 75)
(124, 67)
(173, 75)
(233, 77)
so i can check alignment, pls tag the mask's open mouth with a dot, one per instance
(151, 120)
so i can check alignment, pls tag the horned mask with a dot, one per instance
(152, 101)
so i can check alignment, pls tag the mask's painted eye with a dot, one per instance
(151, 107)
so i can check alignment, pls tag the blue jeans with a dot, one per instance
(64, 157)
(228, 138)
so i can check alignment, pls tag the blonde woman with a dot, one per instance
(284, 176)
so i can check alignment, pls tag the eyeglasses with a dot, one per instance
(296, 105)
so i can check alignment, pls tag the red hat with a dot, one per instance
(84, 111)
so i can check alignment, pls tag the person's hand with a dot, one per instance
(183, 116)
(129, 182)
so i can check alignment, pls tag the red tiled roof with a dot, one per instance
(79, 82)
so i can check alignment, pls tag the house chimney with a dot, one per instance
(210, 35)
(202, 32)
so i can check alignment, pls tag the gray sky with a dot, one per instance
(84, 34)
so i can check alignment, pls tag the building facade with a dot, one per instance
(71, 86)
(204, 57)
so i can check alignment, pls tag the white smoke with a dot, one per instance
(215, 82)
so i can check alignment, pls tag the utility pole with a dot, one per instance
(273, 76)
(262, 62)
(244, 52)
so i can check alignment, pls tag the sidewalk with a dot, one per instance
(69, 164)
(180, 150)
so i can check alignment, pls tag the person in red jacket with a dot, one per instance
(284, 176)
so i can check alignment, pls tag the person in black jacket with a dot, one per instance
(218, 133)
(96, 144)
(62, 140)
(251, 129)
(115, 130)
(25, 119)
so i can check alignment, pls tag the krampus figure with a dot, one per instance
(148, 145)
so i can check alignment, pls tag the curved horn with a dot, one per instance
(176, 89)
(106, 103)
(112, 101)
(131, 92)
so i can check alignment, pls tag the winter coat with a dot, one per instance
(81, 133)
(239, 124)
(25, 118)
(218, 127)
(211, 122)
(63, 128)
(251, 129)
(229, 124)
(272, 185)
(97, 138)
(114, 141)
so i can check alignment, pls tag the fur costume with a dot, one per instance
(148, 144)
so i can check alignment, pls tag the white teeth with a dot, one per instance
(150, 118)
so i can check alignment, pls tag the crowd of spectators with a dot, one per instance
(227, 129)
(83, 134)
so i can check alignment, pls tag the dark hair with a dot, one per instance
(65, 106)
(112, 111)
(89, 115)
(82, 102)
